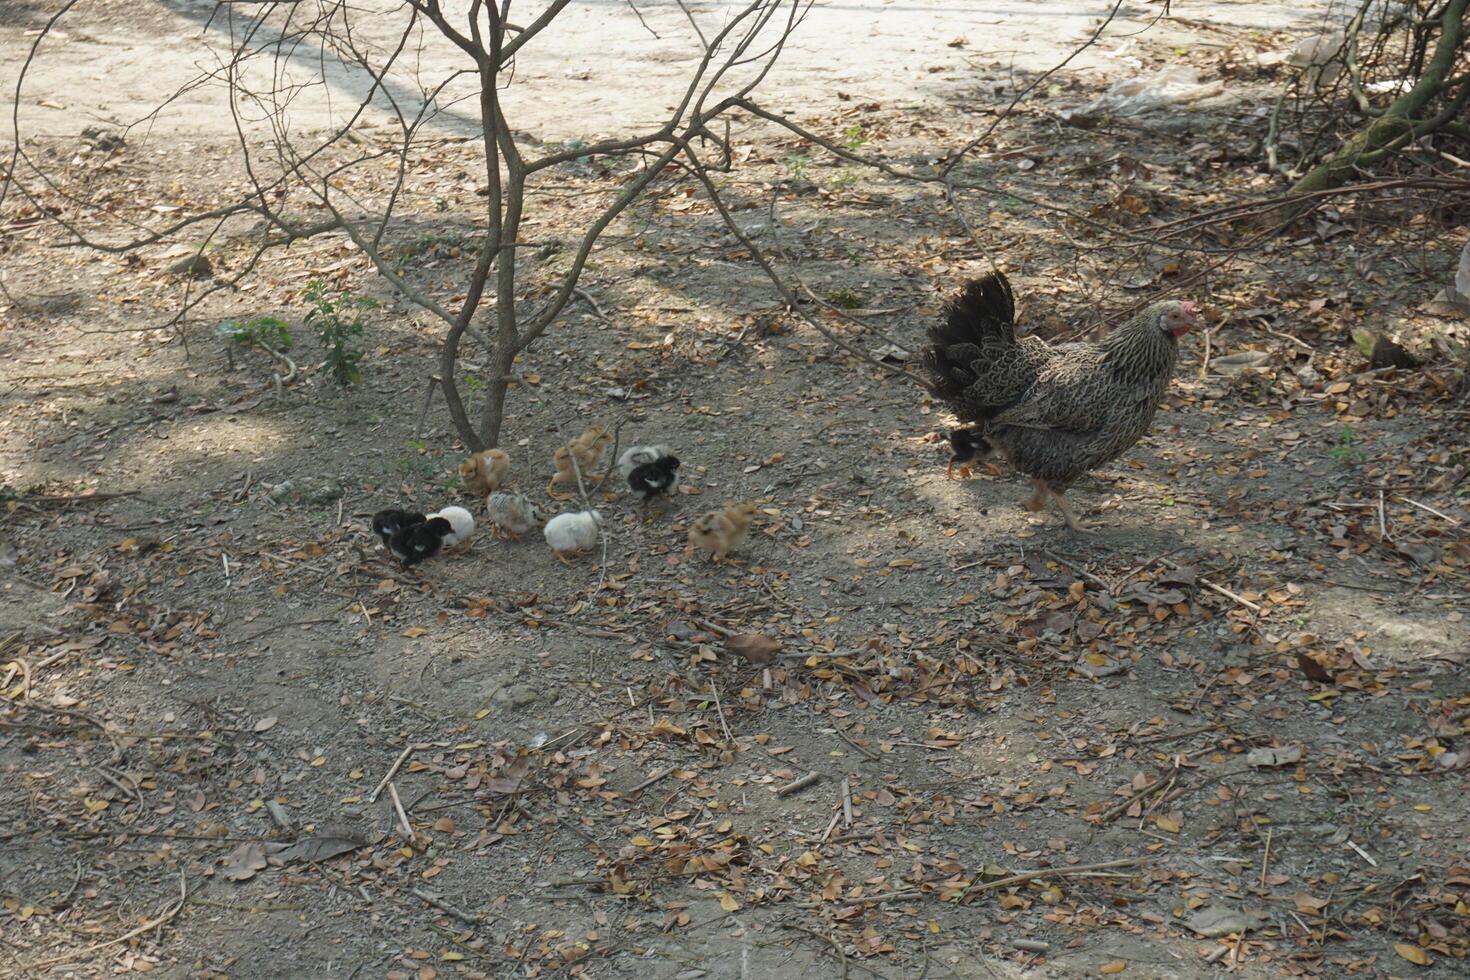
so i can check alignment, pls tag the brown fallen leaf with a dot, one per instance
(756, 648)
(244, 861)
(319, 848)
(1412, 953)
(1313, 668)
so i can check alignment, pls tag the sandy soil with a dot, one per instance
(598, 71)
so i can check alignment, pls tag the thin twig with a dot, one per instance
(148, 926)
(729, 736)
(403, 823)
(393, 769)
(800, 784)
(445, 907)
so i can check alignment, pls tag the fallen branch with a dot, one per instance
(1079, 870)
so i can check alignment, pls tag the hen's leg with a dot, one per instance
(1038, 499)
(1067, 515)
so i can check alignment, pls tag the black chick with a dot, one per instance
(386, 523)
(417, 542)
(967, 446)
(650, 480)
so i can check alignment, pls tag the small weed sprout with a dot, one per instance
(1346, 451)
(337, 319)
(267, 332)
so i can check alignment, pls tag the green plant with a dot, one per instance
(268, 332)
(416, 462)
(845, 299)
(336, 316)
(796, 167)
(1347, 451)
(853, 137)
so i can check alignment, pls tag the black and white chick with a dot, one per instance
(650, 480)
(636, 456)
(966, 446)
(387, 523)
(418, 542)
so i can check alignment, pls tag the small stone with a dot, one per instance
(281, 490)
(195, 265)
(319, 491)
(518, 695)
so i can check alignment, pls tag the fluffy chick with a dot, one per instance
(483, 473)
(569, 533)
(720, 531)
(417, 542)
(461, 525)
(652, 479)
(512, 513)
(637, 456)
(966, 446)
(386, 523)
(586, 449)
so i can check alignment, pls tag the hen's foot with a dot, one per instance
(1075, 524)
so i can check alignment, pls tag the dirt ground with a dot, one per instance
(1230, 729)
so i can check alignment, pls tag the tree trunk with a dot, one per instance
(1402, 121)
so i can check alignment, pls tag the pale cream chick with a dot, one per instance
(720, 531)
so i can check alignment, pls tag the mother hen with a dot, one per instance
(1054, 412)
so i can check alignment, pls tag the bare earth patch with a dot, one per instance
(1228, 731)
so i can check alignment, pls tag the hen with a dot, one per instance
(1054, 412)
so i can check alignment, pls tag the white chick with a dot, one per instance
(512, 513)
(462, 522)
(639, 455)
(570, 533)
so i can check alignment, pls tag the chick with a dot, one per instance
(387, 522)
(461, 525)
(637, 456)
(513, 514)
(966, 446)
(570, 533)
(649, 480)
(586, 449)
(483, 473)
(417, 542)
(720, 531)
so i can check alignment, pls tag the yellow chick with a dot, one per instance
(483, 473)
(720, 531)
(586, 449)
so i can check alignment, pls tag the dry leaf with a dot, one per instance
(1412, 953)
(245, 861)
(1313, 668)
(319, 848)
(266, 724)
(756, 648)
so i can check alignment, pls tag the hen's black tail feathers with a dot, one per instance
(983, 313)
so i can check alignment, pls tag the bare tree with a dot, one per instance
(279, 50)
(1395, 78)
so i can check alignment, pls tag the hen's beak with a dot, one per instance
(1191, 319)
